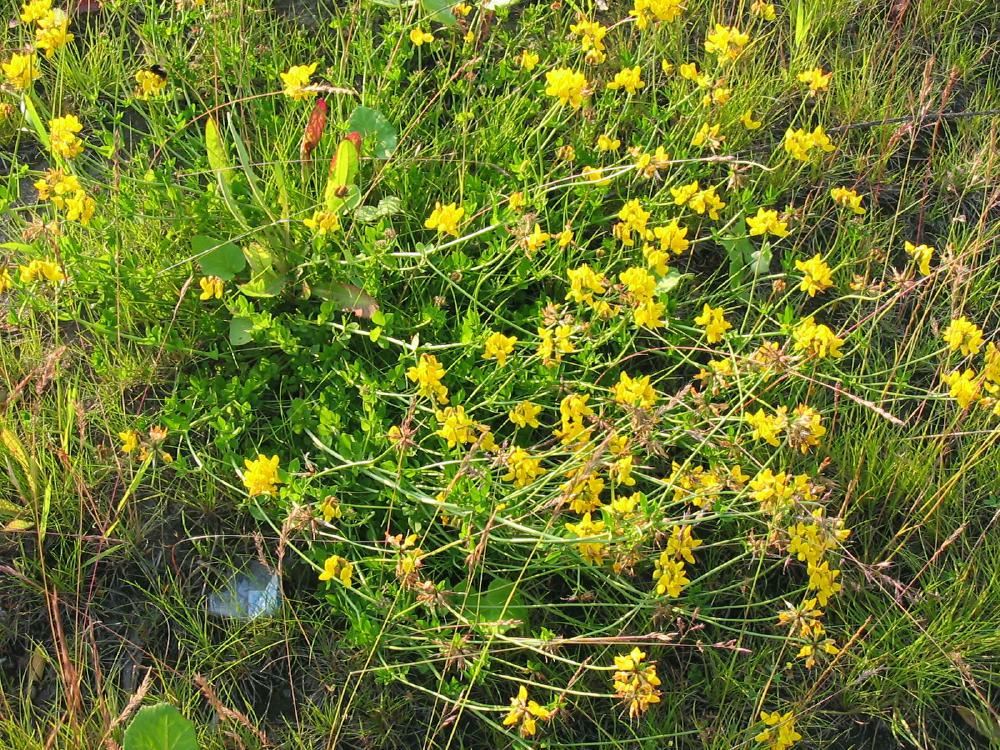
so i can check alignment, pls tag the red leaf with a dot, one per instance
(355, 138)
(314, 130)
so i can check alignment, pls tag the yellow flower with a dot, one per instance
(635, 683)
(633, 218)
(42, 269)
(669, 575)
(524, 713)
(629, 79)
(584, 284)
(818, 276)
(766, 427)
(708, 134)
(80, 207)
(34, 11)
(593, 552)
(763, 9)
(963, 386)
(672, 237)
(336, 568)
(707, 201)
(816, 79)
(823, 580)
(805, 429)
(565, 237)
(499, 347)
(713, 320)
(516, 201)
(746, 119)
(445, 218)
(149, 84)
(800, 143)
(847, 198)
(682, 543)
(568, 86)
(6, 282)
(295, 80)
(427, 374)
(211, 286)
(528, 60)
(536, 240)
(21, 70)
(963, 334)
(62, 136)
(608, 143)
(418, 37)
(53, 32)
(261, 475)
(591, 35)
(639, 283)
(525, 414)
(726, 43)
(649, 314)
(684, 193)
(634, 391)
(522, 468)
(767, 222)
(689, 71)
(130, 441)
(462, 9)
(331, 509)
(322, 222)
(651, 11)
(780, 733)
(816, 339)
(456, 426)
(922, 254)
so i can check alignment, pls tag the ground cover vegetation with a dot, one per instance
(589, 375)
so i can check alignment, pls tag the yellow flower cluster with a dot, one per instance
(42, 269)
(713, 320)
(336, 568)
(847, 198)
(593, 550)
(818, 276)
(566, 85)
(296, 79)
(21, 70)
(66, 194)
(525, 713)
(802, 144)
(591, 35)
(62, 136)
(647, 12)
(921, 255)
(816, 340)
(445, 218)
(698, 200)
(726, 43)
(427, 374)
(629, 79)
(261, 475)
(636, 682)
(779, 733)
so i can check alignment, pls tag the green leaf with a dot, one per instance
(376, 129)
(343, 173)
(982, 722)
(501, 602)
(218, 258)
(439, 11)
(160, 727)
(239, 331)
(218, 160)
(388, 206)
(264, 280)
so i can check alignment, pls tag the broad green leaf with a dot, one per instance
(218, 154)
(376, 129)
(388, 206)
(264, 280)
(348, 298)
(439, 11)
(218, 258)
(160, 727)
(218, 160)
(239, 331)
(343, 173)
(501, 602)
